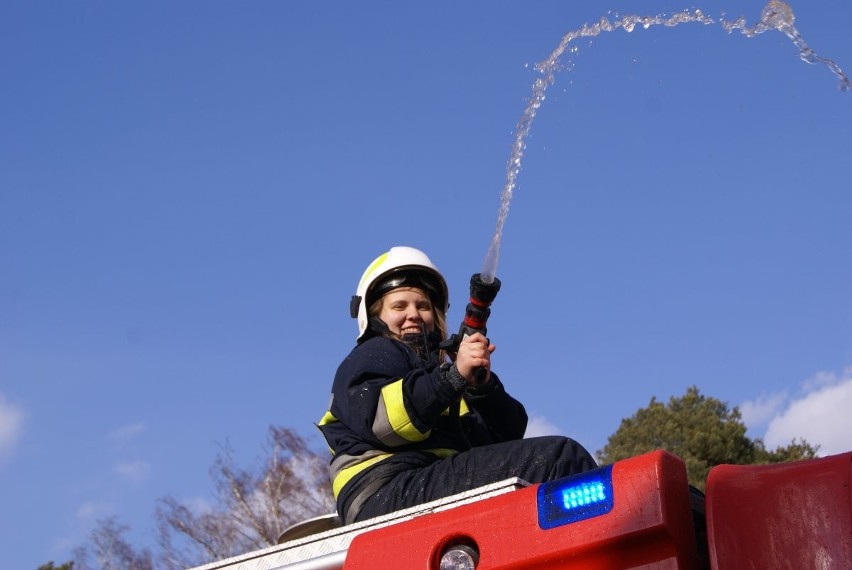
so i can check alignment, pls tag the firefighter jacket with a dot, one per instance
(391, 411)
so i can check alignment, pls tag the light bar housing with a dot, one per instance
(575, 498)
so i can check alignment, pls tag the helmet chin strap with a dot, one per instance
(424, 343)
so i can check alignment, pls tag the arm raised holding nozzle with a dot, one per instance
(466, 344)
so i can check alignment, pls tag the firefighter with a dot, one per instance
(408, 424)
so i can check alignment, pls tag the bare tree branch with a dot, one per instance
(253, 506)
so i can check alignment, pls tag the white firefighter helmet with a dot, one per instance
(402, 266)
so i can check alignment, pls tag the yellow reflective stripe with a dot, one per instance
(345, 475)
(463, 409)
(398, 418)
(328, 418)
(379, 260)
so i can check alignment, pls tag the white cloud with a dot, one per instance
(136, 471)
(538, 425)
(758, 413)
(128, 432)
(821, 415)
(11, 425)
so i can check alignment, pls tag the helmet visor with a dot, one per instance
(409, 278)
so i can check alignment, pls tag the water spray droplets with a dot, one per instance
(776, 15)
(604, 25)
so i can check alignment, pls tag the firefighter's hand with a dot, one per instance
(474, 352)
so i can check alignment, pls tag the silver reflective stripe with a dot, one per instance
(382, 428)
(357, 503)
(341, 462)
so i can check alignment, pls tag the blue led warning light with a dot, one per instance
(575, 498)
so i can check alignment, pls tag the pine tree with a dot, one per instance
(701, 430)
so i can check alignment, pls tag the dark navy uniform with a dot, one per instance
(404, 430)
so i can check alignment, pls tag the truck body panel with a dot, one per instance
(636, 513)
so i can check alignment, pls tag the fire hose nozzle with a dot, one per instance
(482, 292)
(476, 315)
(478, 309)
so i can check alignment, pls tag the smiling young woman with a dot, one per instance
(408, 423)
(406, 310)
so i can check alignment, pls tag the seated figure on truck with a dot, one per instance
(410, 421)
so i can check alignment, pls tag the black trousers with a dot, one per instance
(534, 460)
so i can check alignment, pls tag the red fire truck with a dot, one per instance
(636, 513)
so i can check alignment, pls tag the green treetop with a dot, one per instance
(701, 430)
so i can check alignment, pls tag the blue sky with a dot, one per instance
(189, 192)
